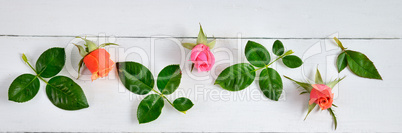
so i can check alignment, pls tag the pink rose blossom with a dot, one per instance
(321, 94)
(202, 58)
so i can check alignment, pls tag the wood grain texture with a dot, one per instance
(284, 19)
(364, 105)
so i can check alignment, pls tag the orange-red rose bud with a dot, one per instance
(321, 94)
(99, 63)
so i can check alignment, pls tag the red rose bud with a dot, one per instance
(95, 58)
(99, 63)
(321, 94)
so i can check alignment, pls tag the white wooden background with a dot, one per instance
(365, 105)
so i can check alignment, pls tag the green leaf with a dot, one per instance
(292, 61)
(169, 79)
(361, 65)
(189, 45)
(80, 64)
(310, 108)
(23, 88)
(65, 94)
(236, 77)
(278, 48)
(333, 83)
(81, 50)
(150, 108)
(202, 38)
(271, 84)
(333, 116)
(306, 86)
(51, 62)
(257, 54)
(318, 78)
(211, 44)
(135, 77)
(341, 62)
(107, 44)
(182, 104)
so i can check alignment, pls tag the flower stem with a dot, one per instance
(42, 79)
(37, 75)
(280, 57)
(156, 92)
(160, 94)
(339, 43)
(167, 100)
(26, 61)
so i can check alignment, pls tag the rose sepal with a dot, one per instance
(201, 56)
(308, 89)
(201, 39)
(90, 46)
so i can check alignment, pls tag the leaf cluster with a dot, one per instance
(239, 76)
(139, 80)
(62, 91)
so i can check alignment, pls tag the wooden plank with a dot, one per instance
(262, 19)
(364, 105)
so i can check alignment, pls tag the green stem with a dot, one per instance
(29, 64)
(339, 43)
(42, 79)
(167, 100)
(280, 57)
(160, 94)
(26, 61)
(156, 92)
